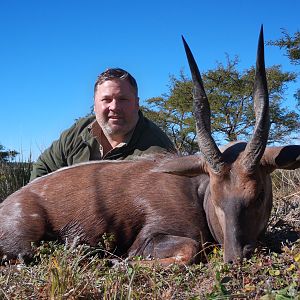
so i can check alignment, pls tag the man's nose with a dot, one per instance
(114, 104)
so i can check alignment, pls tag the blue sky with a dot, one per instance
(52, 51)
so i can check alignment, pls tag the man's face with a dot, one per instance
(116, 107)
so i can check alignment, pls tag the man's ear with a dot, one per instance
(138, 102)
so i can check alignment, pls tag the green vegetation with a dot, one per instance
(290, 43)
(7, 155)
(229, 92)
(68, 272)
(13, 175)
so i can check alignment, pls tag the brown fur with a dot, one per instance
(85, 201)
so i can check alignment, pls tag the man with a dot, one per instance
(117, 131)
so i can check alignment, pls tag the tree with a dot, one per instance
(230, 95)
(291, 44)
(173, 113)
(6, 155)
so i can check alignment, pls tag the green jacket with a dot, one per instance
(77, 144)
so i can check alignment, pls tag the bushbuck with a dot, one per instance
(163, 207)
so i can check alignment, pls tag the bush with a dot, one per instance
(13, 175)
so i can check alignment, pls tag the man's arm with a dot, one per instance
(50, 160)
(62, 151)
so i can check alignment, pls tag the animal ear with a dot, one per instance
(286, 157)
(189, 166)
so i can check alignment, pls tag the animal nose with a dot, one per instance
(238, 253)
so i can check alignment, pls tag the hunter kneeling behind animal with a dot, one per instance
(170, 206)
(117, 131)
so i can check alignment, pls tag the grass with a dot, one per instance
(69, 272)
(13, 175)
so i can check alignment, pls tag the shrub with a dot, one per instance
(13, 175)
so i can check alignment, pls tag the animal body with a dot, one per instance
(161, 207)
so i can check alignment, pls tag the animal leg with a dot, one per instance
(168, 249)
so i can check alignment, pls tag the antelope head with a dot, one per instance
(238, 199)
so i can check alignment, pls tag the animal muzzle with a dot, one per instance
(237, 252)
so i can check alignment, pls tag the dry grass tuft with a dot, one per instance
(13, 175)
